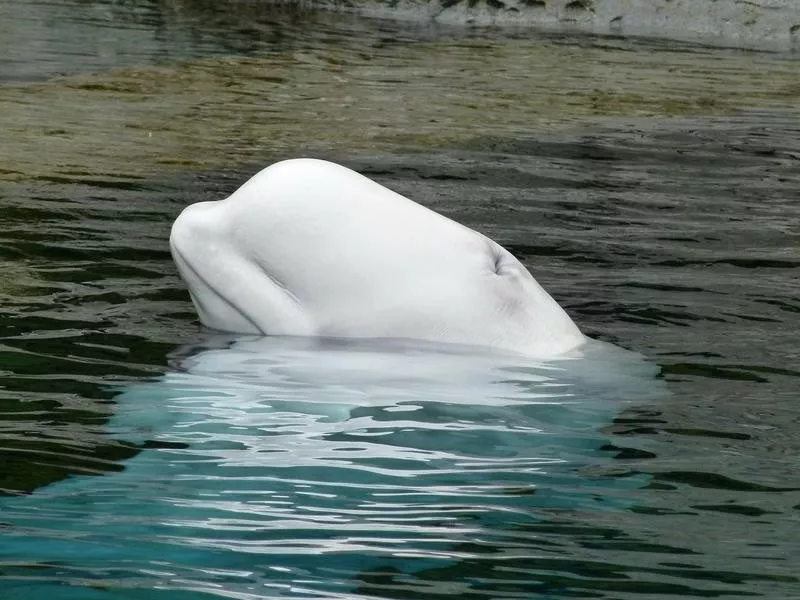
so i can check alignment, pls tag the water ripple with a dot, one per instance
(129, 470)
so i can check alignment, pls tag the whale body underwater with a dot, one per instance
(382, 361)
(274, 463)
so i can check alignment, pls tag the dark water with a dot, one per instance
(661, 213)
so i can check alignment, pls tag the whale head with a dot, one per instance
(310, 248)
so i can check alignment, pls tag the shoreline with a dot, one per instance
(769, 25)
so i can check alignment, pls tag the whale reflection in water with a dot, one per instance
(344, 414)
(379, 452)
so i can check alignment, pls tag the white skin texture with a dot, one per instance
(310, 248)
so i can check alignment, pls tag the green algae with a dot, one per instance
(219, 112)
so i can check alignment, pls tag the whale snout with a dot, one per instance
(199, 251)
(197, 224)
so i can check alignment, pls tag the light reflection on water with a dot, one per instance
(348, 457)
(650, 186)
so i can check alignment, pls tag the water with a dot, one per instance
(650, 186)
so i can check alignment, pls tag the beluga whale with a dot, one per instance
(307, 247)
(392, 387)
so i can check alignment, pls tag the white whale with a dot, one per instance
(310, 248)
(282, 463)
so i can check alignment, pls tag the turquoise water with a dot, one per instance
(143, 457)
(285, 468)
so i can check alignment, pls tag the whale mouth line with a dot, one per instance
(280, 285)
(181, 260)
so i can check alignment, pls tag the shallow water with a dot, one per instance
(650, 186)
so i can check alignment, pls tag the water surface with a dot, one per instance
(650, 186)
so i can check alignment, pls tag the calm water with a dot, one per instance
(652, 187)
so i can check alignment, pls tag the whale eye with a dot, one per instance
(500, 259)
(498, 262)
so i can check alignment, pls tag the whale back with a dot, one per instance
(307, 247)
